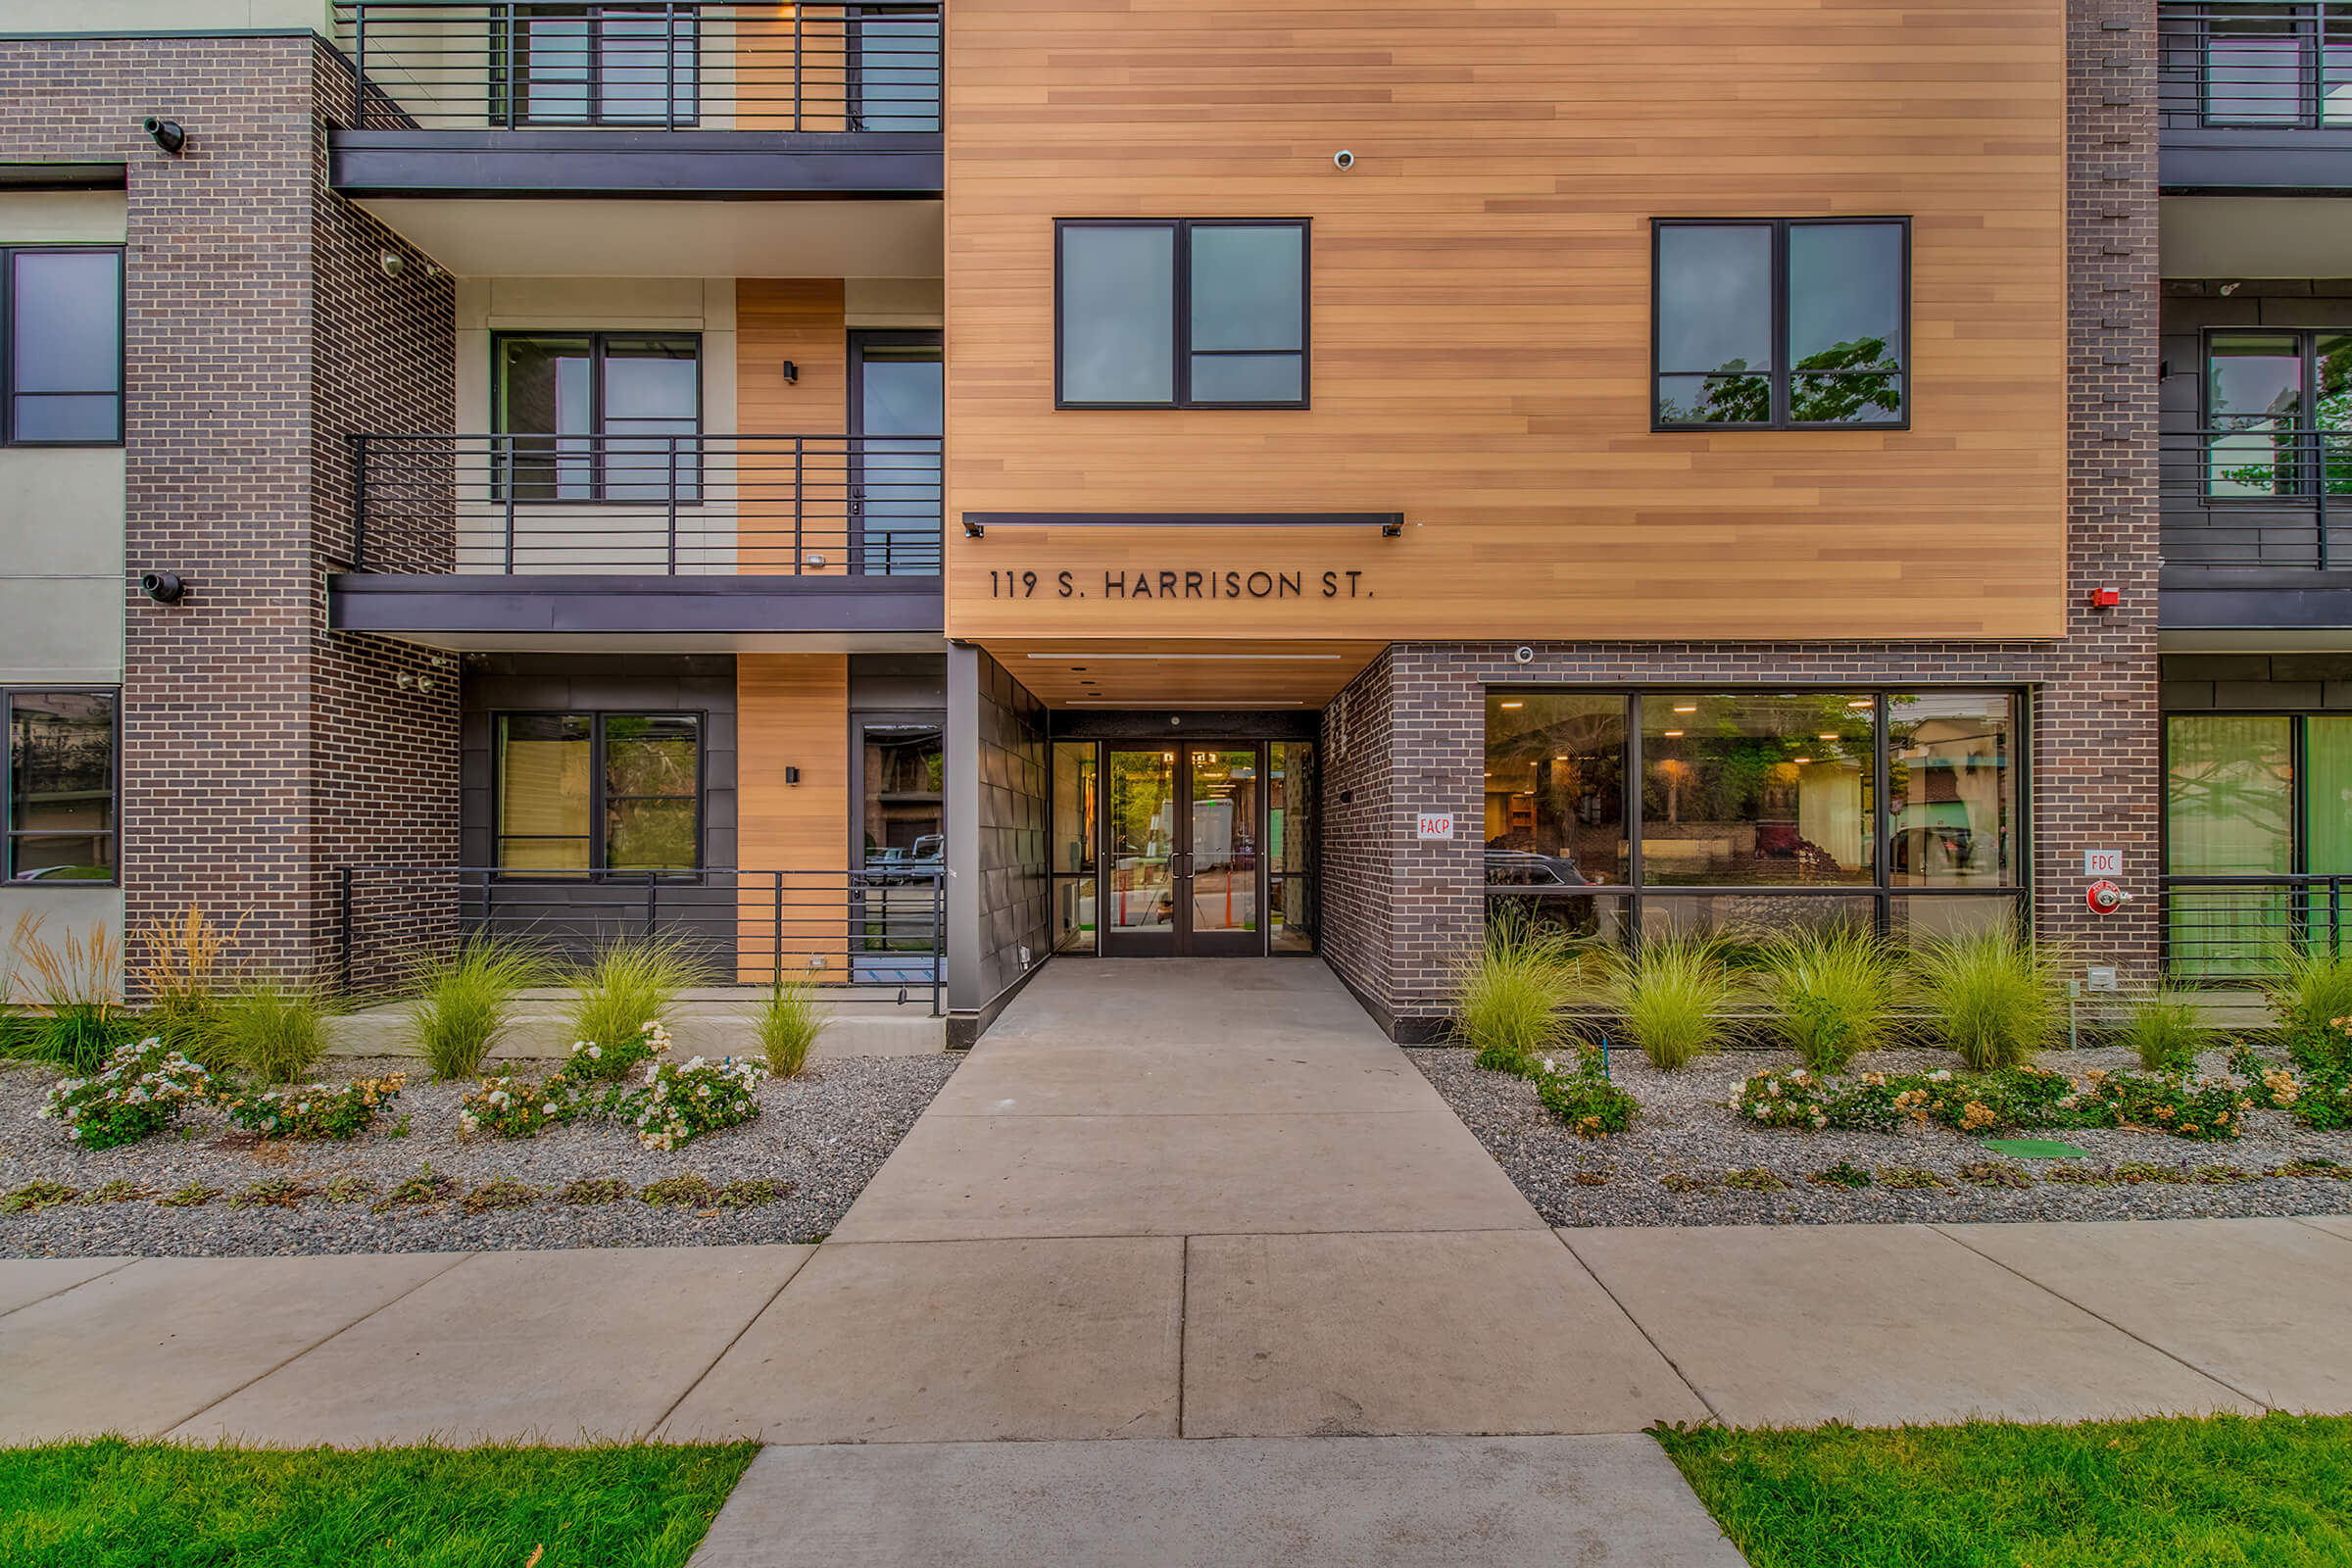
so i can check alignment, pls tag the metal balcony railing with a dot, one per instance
(772, 506)
(876, 929)
(718, 65)
(2255, 493)
(2223, 928)
(2256, 65)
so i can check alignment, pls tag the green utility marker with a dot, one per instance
(2034, 1149)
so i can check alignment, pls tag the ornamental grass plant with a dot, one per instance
(2166, 1031)
(2310, 997)
(184, 968)
(1507, 995)
(72, 982)
(788, 1022)
(465, 1001)
(1833, 990)
(1668, 993)
(631, 982)
(275, 1030)
(1993, 995)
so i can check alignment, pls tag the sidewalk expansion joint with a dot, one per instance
(93, 1278)
(1640, 1328)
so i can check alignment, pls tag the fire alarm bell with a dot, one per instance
(2105, 898)
(2106, 598)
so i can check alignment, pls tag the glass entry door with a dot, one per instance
(1181, 868)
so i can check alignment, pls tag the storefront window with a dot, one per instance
(1758, 811)
(1290, 829)
(1072, 851)
(1741, 789)
(2229, 811)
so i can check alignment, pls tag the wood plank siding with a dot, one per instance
(1480, 314)
(792, 711)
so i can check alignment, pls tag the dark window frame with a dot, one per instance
(9, 833)
(596, 870)
(690, 489)
(1782, 371)
(510, 83)
(8, 343)
(2309, 461)
(2312, 38)
(1180, 325)
(1882, 889)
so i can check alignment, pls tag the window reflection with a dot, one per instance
(1953, 789)
(1757, 789)
(1554, 789)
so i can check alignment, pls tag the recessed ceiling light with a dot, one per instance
(1804, 759)
(1860, 701)
(1671, 733)
(1514, 705)
(1826, 735)
(1691, 708)
(1562, 758)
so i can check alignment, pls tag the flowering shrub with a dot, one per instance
(611, 1063)
(1582, 1097)
(680, 1103)
(142, 1091)
(2010, 1098)
(315, 1110)
(520, 1108)
(2322, 1100)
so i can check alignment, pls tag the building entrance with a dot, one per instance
(1184, 868)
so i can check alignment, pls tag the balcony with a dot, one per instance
(2256, 527)
(701, 540)
(456, 98)
(2255, 96)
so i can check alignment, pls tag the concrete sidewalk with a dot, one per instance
(1183, 1201)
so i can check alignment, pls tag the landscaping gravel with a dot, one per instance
(1685, 1129)
(825, 1134)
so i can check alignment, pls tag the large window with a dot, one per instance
(1181, 313)
(2278, 414)
(2258, 838)
(1781, 323)
(598, 792)
(61, 320)
(1899, 808)
(587, 65)
(599, 415)
(60, 786)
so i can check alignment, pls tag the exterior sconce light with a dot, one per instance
(791, 373)
(792, 775)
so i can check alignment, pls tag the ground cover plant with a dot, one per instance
(2006, 1100)
(1507, 995)
(1833, 990)
(1581, 1094)
(2274, 1490)
(465, 1001)
(1993, 995)
(117, 1504)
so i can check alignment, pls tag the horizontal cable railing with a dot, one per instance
(2255, 493)
(876, 929)
(771, 505)
(2256, 65)
(2223, 928)
(720, 65)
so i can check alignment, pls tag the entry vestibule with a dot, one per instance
(1167, 849)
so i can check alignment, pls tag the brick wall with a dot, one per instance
(1410, 733)
(258, 747)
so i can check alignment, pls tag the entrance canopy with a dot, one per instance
(1228, 673)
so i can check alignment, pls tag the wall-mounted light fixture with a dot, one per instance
(791, 373)
(792, 775)
(170, 135)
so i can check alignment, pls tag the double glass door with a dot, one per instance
(1183, 872)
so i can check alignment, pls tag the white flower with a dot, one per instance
(1941, 1075)
(549, 1107)
(1548, 1067)
(1763, 1112)
(596, 1053)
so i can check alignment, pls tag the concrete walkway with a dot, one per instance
(1193, 1201)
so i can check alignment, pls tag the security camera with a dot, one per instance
(1342, 158)
(168, 135)
(392, 263)
(163, 587)
(1523, 655)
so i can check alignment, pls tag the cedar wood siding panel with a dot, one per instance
(1481, 313)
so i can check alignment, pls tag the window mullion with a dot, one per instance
(1181, 329)
(1781, 401)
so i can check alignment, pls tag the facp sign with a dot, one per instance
(1434, 825)
(2102, 862)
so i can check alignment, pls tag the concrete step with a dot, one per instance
(703, 1026)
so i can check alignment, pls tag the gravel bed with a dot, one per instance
(1685, 1128)
(826, 1133)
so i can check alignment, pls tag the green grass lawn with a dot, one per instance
(115, 1504)
(2169, 1494)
